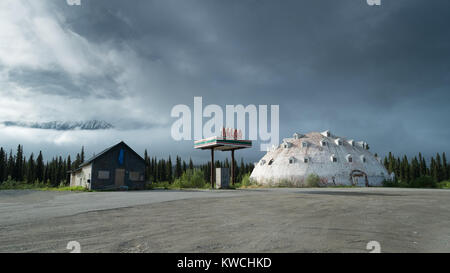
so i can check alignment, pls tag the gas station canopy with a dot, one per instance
(222, 144)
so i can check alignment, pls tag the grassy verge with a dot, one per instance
(443, 185)
(14, 185)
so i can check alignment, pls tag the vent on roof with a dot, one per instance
(323, 143)
(339, 142)
(286, 144)
(326, 133)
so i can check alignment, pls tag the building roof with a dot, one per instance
(90, 160)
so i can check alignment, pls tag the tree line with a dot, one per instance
(17, 167)
(163, 170)
(416, 170)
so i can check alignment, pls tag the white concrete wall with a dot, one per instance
(81, 177)
(281, 172)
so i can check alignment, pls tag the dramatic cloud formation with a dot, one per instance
(380, 74)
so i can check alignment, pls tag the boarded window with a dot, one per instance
(134, 176)
(103, 174)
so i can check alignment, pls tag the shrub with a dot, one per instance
(423, 182)
(444, 185)
(390, 183)
(191, 179)
(246, 181)
(313, 181)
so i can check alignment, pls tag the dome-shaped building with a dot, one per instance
(336, 160)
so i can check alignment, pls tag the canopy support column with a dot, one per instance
(233, 178)
(212, 168)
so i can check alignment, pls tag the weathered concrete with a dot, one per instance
(265, 220)
(296, 158)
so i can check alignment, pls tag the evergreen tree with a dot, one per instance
(178, 167)
(147, 166)
(184, 166)
(434, 170)
(439, 169)
(18, 166)
(68, 168)
(445, 167)
(3, 165)
(191, 164)
(169, 169)
(40, 168)
(82, 155)
(77, 162)
(10, 165)
(31, 171)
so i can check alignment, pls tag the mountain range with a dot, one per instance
(62, 125)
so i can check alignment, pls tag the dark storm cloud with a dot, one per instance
(60, 83)
(375, 73)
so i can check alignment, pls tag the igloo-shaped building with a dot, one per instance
(336, 160)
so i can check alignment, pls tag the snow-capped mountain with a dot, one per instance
(63, 125)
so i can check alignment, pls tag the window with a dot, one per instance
(291, 160)
(323, 143)
(286, 144)
(304, 144)
(103, 175)
(333, 158)
(262, 162)
(270, 162)
(305, 160)
(134, 176)
(338, 142)
(351, 142)
(363, 159)
(349, 158)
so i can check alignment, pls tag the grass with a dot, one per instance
(23, 185)
(419, 183)
(191, 179)
(443, 185)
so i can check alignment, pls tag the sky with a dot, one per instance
(380, 74)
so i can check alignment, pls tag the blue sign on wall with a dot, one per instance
(121, 153)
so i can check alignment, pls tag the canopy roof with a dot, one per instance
(222, 143)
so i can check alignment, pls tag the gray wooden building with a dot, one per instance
(116, 167)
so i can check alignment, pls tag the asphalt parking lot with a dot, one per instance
(260, 220)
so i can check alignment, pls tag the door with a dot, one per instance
(359, 178)
(120, 177)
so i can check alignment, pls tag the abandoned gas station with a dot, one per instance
(230, 140)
